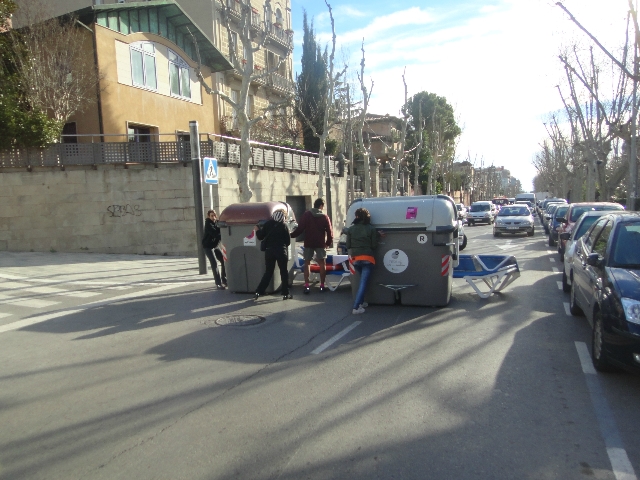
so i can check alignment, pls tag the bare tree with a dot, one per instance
(406, 113)
(420, 125)
(330, 118)
(245, 66)
(364, 150)
(620, 129)
(58, 76)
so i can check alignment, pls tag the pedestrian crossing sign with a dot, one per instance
(210, 171)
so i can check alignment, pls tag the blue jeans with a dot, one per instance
(364, 268)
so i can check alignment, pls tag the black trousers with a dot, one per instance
(214, 266)
(272, 257)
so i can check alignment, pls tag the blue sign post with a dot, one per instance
(210, 170)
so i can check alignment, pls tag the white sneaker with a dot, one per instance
(364, 304)
(357, 311)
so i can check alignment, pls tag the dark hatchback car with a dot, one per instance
(606, 288)
(555, 223)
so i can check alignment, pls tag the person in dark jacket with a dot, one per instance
(276, 237)
(362, 240)
(210, 243)
(318, 236)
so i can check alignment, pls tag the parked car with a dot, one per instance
(606, 288)
(548, 213)
(577, 209)
(462, 211)
(554, 223)
(570, 238)
(514, 219)
(545, 204)
(461, 236)
(481, 212)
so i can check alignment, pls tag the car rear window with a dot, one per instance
(577, 211)
(561, 211)
(626, 249)
(584, 226)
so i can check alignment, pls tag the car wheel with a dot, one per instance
(573, 307)
(530, 234)
(470, 222)
(598, 354)
(496, 234)
(552, 243)
(463, 245)
(566, 288)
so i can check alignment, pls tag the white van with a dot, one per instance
(481, 212)
(529, 197)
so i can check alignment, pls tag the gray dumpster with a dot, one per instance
(244, 261)
(415, 258)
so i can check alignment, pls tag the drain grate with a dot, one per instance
(239, 320)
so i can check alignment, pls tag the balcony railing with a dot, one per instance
(283, 37)
(226, 150)
(235, 10)
(280, 83)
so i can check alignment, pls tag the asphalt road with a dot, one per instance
(114, 367)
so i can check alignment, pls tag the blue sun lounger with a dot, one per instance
(496, 271)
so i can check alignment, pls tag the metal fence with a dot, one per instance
(175, 152)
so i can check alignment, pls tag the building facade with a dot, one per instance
(204, 18)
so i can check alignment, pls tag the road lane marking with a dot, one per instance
(567, 309)
(622, 468)
(2, 315)
(25, 302)
(552, 260)
(555, 270)
(48, 316)
(335, 338)
(559, 285)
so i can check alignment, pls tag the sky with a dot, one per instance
(496, 62)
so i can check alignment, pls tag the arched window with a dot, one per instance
(279, 19)
(179, 79)
(143, 65)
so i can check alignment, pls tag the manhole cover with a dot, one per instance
(239, 320)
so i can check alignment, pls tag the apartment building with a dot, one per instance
(205, 17)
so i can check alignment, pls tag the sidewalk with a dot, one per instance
(99, 268)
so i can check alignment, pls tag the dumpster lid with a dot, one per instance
(429, 212)
(252, 213)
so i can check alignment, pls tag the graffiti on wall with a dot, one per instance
(124, 210)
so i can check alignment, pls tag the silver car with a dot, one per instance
(580, 228)
(514, 219)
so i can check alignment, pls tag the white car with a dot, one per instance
(514, 219)
(481, 212)
(580, 228)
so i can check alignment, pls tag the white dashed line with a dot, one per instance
(555, 270)
(335, 338)
(559, 285)
(622, 468)
(552, 260)
(567, 309)
(48, 316)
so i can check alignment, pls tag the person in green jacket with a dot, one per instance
(362, 240)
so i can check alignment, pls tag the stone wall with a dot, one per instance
(139, 209)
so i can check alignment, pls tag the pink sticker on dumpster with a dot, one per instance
(412, 212)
